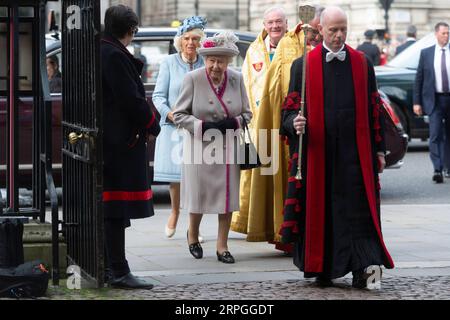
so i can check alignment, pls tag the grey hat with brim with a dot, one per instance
(221, 44)
(229, 52)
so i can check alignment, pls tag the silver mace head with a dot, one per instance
(306, 13)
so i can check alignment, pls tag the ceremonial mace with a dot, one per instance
(306, 13)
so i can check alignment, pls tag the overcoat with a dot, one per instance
(167, 89)
(127, 122)
(210, 187)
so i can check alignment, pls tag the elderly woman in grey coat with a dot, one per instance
(167, 89)
(212, 107)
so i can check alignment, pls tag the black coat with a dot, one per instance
(127, 122)
(372, 52)
(404, 46)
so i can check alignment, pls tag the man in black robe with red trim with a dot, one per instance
(127, 122)
(333, 214)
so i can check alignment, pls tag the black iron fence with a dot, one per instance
(22, 30)
(81, 142)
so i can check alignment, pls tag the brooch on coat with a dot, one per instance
(232, 81)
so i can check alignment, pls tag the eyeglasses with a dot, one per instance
(135, 30)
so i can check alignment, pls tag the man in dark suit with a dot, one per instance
(432, 96)
(371, 50)
(411, 34)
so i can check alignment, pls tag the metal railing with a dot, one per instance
(82, 147)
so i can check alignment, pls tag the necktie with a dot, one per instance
(444, 73)
(339, 55)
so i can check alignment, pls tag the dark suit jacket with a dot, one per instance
(402, 47)
(425, 85)
(372, 52)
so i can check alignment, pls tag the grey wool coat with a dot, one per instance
(210, 173)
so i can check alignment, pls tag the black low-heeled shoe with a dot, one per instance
(323, 282)
(129, 281)
(225, 257)
(195, 249)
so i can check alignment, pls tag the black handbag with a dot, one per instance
(248, 156)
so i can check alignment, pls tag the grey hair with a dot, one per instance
(273, 9)
(336, 8)
(411, 31)
(177, 39)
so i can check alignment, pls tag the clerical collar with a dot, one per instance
(270, 47)
(325, 46)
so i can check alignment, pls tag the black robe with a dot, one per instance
(127, 122)
(351, 242)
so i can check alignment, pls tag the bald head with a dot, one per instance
(332, 13)
(333, 27)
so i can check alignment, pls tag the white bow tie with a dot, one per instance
(340, 55)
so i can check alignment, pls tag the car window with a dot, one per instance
(25, 63)
(3, 57)
(152, 54)
(54, 72)
(239, 60)
(409, 58)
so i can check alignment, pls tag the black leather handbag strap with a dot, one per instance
(246, 130)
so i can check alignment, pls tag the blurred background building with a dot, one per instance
(247, 14)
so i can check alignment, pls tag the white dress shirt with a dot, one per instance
(437, 65)
(269, 47)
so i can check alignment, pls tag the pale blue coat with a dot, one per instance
(169, 142)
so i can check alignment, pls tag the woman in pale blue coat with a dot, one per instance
(167, 164)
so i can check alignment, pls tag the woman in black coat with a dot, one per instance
(127, 122)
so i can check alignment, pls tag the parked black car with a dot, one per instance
(396, 79)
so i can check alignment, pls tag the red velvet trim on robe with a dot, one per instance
(315, 198)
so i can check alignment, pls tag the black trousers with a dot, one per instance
(115, 259)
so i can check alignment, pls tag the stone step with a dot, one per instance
(37, 245)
